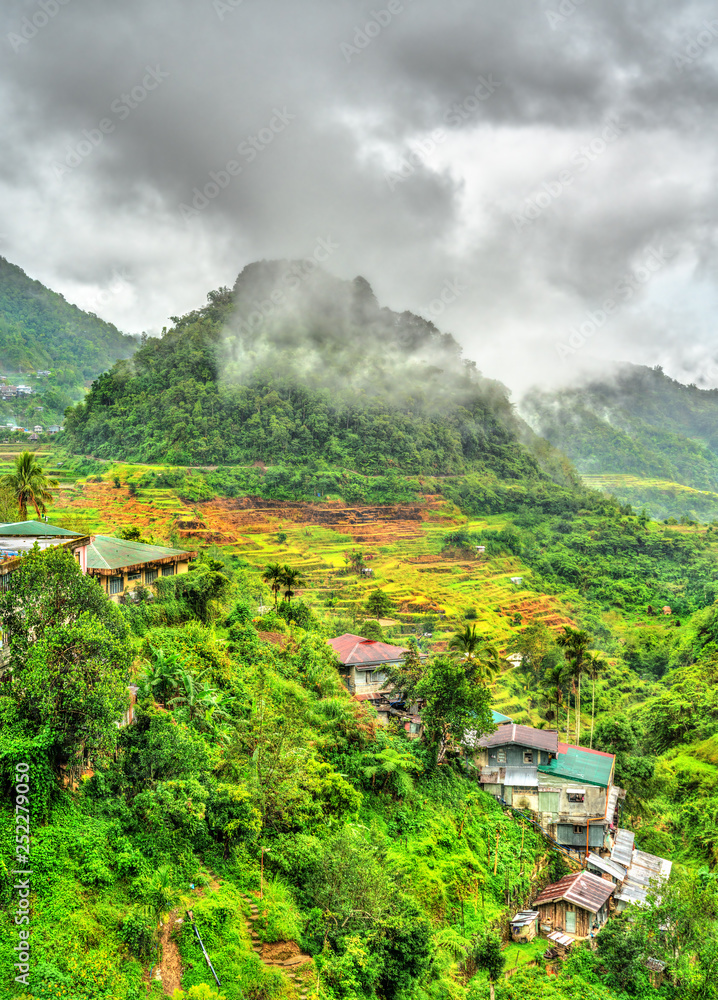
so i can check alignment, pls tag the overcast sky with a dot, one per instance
(546, 167)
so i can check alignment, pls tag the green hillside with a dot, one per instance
(638, 423)
(324, 377)
(41, 332)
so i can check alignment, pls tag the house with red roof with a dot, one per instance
(363, 665)
(576, 905)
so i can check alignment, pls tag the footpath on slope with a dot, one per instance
(285, 956)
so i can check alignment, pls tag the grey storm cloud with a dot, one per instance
(531, 156)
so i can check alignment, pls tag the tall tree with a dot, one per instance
(575, 643)
(291, 579)
(479, 658)
(29, 484)
(594, 667)
(69, 655)
(273, 575)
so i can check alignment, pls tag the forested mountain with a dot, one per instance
(40, 330)
(290, 367)
(636, 421)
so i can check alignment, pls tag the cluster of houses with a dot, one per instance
(117, 564)
(567, 791)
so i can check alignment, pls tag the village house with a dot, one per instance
(119, 565)
(576, 905)
(19, 537)
(363, 665)
(569, 788)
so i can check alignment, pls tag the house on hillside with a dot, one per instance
(19, 537)
(577, 905)
(524, 925)
(363, 663)
(116, 563)
(121, 565)
(569, 788)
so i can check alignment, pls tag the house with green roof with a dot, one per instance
(18, 538)
(117, 564)
(121, 565)
(570, 789)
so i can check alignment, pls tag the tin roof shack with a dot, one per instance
(120, 564)
(576, 905)
(646, 872)
(524, 925)
(605, 868)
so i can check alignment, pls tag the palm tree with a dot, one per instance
(291, 578)
(595, 666)
(273, 575)
(575, 642)
(29, 484)
(555, 676)
(481, 659)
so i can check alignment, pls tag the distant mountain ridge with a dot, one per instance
(635, 422)
(40, 330)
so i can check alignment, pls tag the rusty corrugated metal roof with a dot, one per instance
(356, 651)
(585, 890)
(525, 736)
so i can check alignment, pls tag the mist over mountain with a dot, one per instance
(629, 420)
(293, 365)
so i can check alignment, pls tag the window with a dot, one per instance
(168, 569)
(133, 576)
(116, 586)
(576, 796)
(150, 575)
(378, 677)
(579, 829)
(500, 756)
(528, 757)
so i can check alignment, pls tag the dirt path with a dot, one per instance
(286, 956)
(169, 968)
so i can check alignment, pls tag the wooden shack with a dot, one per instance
(524, 925)
(576, 905)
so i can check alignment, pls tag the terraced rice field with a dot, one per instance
(659, 495)
(402, 545)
